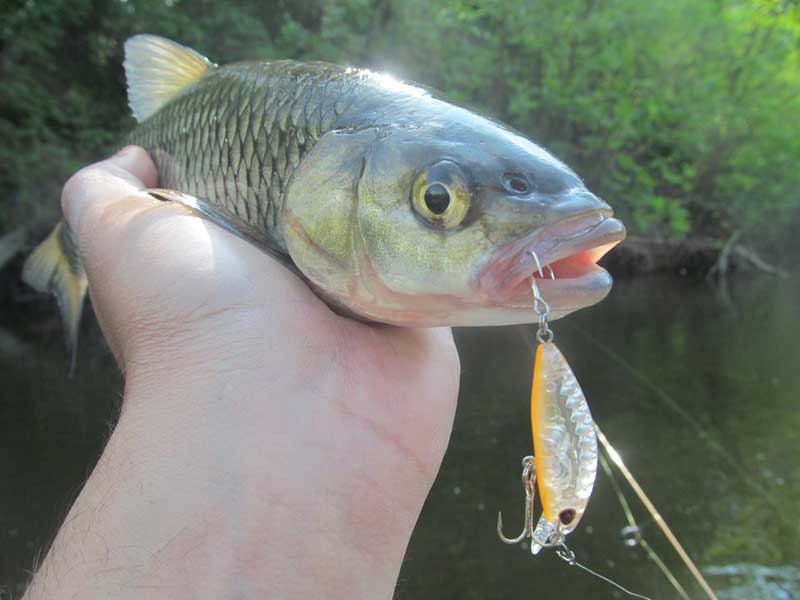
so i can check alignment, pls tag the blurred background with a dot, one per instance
(684, 115)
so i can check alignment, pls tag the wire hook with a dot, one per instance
(539, 265)
(540, 305)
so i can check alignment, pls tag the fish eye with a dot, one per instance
(567, 516)
(440, 195)
(437, 198)
(517, 184)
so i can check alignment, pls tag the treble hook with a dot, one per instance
(528, 484)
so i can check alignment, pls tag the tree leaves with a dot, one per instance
(684, 115)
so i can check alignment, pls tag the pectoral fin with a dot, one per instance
(230, 222)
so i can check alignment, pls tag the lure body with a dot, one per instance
(565, 446)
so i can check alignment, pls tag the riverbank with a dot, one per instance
(685, 257)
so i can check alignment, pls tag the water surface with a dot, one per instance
(698, 394)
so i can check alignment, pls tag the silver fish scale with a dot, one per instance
(569, 452)
(235, 137)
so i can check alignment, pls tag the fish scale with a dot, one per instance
(235, 137)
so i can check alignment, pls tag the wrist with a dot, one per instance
(202, 489)
(284, 505)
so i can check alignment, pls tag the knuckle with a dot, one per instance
(137, 153)
(79, 184)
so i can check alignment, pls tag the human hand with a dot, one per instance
(266, 447)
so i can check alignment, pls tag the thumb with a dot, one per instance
(94, 191)
(95, 187)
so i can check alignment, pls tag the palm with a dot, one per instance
(301, 402)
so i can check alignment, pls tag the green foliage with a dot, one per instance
(685, 115)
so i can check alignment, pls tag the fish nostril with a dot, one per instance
(519, 185)
(516, 183)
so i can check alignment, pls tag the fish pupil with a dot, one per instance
(437, 198)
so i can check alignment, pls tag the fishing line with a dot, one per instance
(610, 581)
(662, 524)
(744, 477)
(568, 556)
(640, 540)
(648, 383)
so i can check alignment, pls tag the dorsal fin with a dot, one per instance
(156, 69)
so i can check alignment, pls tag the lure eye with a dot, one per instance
(441, 196)
(567, 516)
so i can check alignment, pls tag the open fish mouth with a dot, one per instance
(570, 248)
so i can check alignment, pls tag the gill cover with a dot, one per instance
(356, 222)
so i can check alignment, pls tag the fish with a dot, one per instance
(393, 204)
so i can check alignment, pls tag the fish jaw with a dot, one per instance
(501, 290)
(500, 293)
(570, 248)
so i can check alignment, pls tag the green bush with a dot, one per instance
(685, 115)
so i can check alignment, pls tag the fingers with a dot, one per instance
(154, 268)
(94, 188)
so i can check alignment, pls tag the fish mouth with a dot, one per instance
(568, 251)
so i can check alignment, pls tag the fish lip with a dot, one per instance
(505, 278)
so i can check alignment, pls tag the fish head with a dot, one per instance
(434, 220)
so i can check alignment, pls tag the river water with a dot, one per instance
(698, 391)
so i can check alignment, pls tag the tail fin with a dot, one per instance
(56, 266)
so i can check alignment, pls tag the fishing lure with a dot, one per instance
(564, 463)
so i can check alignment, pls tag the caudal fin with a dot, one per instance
(55, 266)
